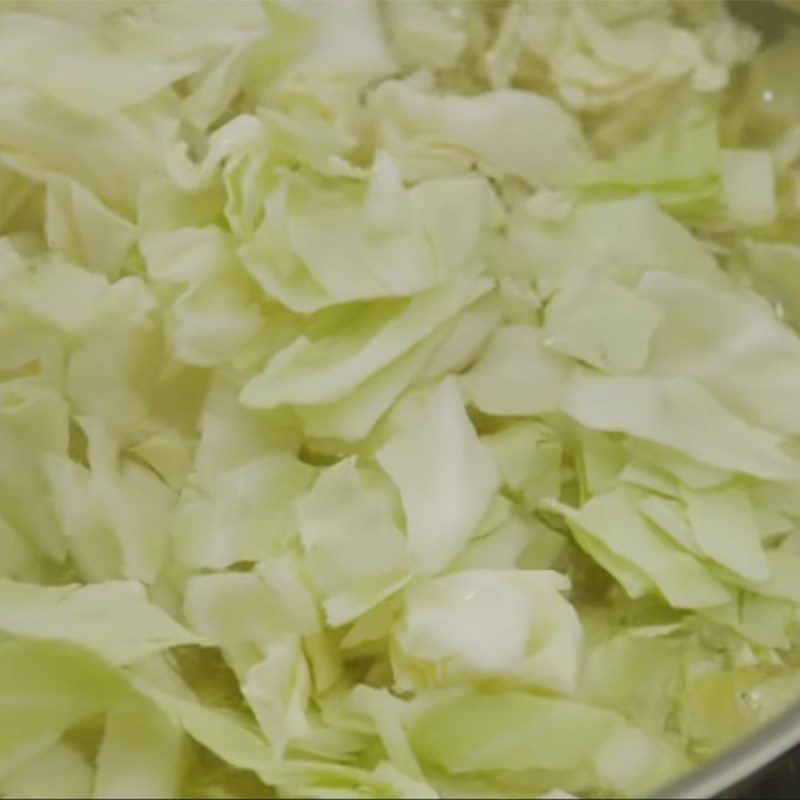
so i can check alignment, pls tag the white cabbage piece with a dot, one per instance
(508, 132)
(509, 626)
(445, 476)
(113, 618)
(355, 553)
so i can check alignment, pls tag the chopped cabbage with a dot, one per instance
(396, 399)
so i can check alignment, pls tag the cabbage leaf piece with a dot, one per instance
(445, 476)
(507, 626)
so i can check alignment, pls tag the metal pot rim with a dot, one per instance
(741, 761)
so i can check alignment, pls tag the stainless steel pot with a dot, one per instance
(740, 763)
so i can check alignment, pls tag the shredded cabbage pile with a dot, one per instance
(397, 399)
